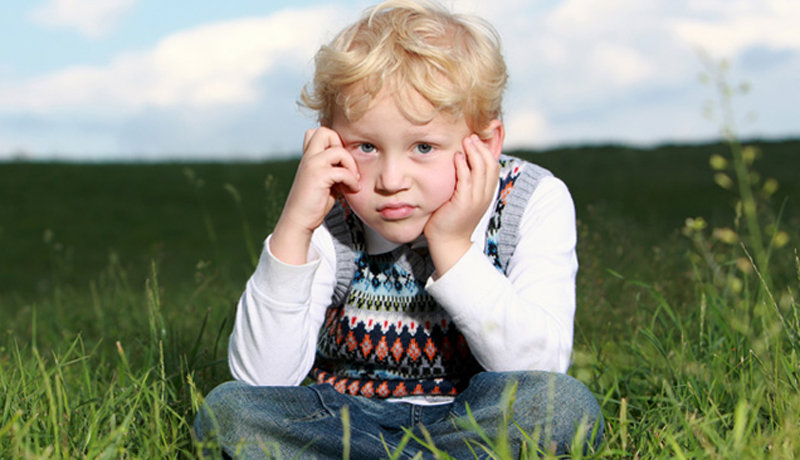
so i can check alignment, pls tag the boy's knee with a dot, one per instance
(571, 392)
(570, 410)
(219, 406)
(556, 405)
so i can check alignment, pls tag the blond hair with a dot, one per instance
(453, 61)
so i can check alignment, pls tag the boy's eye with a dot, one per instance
(367, 148)
(424, 148)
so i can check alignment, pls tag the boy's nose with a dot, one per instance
(393, 176)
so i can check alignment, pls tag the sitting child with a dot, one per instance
(416, 273)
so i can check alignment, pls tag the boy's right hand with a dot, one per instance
(324, 168)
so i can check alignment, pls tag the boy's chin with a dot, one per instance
(405, 240)
(398, 235)
(401, 237)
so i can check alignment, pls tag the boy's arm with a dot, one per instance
(278, 317)
(523, 321)
(449, 229)
(274, 336)
(324, 169)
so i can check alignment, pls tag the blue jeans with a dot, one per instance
(546, 410)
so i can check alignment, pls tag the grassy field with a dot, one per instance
(118, 283)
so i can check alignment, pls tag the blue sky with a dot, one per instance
(147, 80)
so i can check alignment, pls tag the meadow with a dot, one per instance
(118, 283)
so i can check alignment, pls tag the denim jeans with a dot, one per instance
(306, 421)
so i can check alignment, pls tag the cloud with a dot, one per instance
(526, 128)
(727, 29)
(599, 69)
(581, 71)
(207, 66)
(225, 87)
(618, 44)
(91, 18)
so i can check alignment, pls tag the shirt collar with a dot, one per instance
(377, 244)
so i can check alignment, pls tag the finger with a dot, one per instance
(490, 164)
(463, 182)
(341, 177)
(321, 139)
(346, 162)
(477, 164)
(492, 170)
(307, 138)
(337, 156)
(480, 154)
(336, 165)
(349, 163)
(333, 137)
(493, 175)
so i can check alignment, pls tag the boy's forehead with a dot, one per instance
(383, 124)
(358, 99)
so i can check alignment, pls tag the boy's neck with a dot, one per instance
(377, 244)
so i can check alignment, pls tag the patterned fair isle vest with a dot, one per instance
(384, 335)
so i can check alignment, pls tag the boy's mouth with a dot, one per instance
(395, 211)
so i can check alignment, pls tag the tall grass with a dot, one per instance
(708, 368)
(128, 398)
(716, 376)
(690, 342)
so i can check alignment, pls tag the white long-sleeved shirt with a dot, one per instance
(520, 321)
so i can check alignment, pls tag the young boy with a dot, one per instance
(415, 273)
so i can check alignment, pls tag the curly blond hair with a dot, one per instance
(453, 61)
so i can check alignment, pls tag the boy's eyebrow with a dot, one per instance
(350, 132)
(417, 130)
(421, 135)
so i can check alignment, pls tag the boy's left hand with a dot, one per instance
(449, 230)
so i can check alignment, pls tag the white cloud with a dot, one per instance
(626, 69)
(726, 30)
(581, 70)
(211, 65)
(610, 41)
(621, 65)
(525, 128)
(90, 17)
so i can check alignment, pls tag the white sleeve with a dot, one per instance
(279, 315)
(522, 321)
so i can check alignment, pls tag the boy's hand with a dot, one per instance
(450, 228)
(324, 168)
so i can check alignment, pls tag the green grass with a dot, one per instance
(118, 284)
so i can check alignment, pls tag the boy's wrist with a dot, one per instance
(447, 252)
(290, 245)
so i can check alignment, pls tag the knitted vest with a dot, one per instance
(384, 335)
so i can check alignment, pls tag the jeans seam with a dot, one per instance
(416, 415)
(324, 411)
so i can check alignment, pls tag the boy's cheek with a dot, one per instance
(356, 200)
(444, 198)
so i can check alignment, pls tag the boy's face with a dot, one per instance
(407, 169)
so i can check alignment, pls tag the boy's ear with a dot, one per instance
(493, 137)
